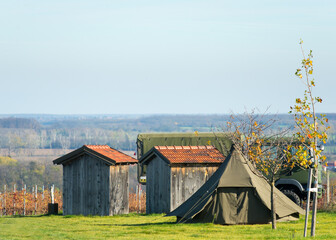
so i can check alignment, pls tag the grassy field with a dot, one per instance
(135, 226)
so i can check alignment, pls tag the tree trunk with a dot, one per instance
(273, 212)
(314, 209)
(308, 201)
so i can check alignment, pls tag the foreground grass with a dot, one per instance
(135, 226)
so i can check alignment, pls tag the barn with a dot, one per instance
(95, 181)
(174, 173)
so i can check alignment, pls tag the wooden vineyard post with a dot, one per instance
(52, 194)
(24, 199)
(14, 193)
(52, 207)
(136, 197)
(5, 191)
(33, 190)
(43, 198)
(1, 204)
(42, 193)
(140, 198)
(35, 199)
(328, 187)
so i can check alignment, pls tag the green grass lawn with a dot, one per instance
(135, 226)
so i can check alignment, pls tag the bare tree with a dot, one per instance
(252, 134)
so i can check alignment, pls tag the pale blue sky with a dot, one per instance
(141, 56)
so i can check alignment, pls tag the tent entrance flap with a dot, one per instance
(234, 206)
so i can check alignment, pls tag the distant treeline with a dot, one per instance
(19, 123)
(16, 139)
(117, 131)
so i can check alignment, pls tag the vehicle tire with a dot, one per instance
(292, 196)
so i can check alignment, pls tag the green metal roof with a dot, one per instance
(146, 141)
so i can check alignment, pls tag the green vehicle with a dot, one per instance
(293, 183)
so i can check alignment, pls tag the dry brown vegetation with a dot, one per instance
(13, 203)
(134, 203)
(21, 203)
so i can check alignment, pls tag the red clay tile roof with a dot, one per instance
(111, 153)
(191, 154)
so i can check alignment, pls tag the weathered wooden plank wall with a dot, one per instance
(66, 185)
(118, 190)
(157, 187)
(186, 180)
(86, 184)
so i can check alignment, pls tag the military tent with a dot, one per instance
(235, 194)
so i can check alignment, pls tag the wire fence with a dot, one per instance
(137, 200)
(26, 201)
(34, 201)
(328, 200)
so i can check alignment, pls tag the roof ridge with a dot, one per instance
(104, 152)
(185, 147)
(105, 146)
(107, 150)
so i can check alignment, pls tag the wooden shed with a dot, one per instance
(95, 181)
(174, 173)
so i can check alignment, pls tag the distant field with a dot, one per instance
(39, 155)
(135, 226)
(42, 155)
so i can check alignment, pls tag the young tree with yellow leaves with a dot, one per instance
(311, 132)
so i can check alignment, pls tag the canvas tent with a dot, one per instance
(235, 195)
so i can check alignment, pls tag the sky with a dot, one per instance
(162, 57)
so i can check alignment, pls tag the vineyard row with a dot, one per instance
(21, 202)
(36, 202)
